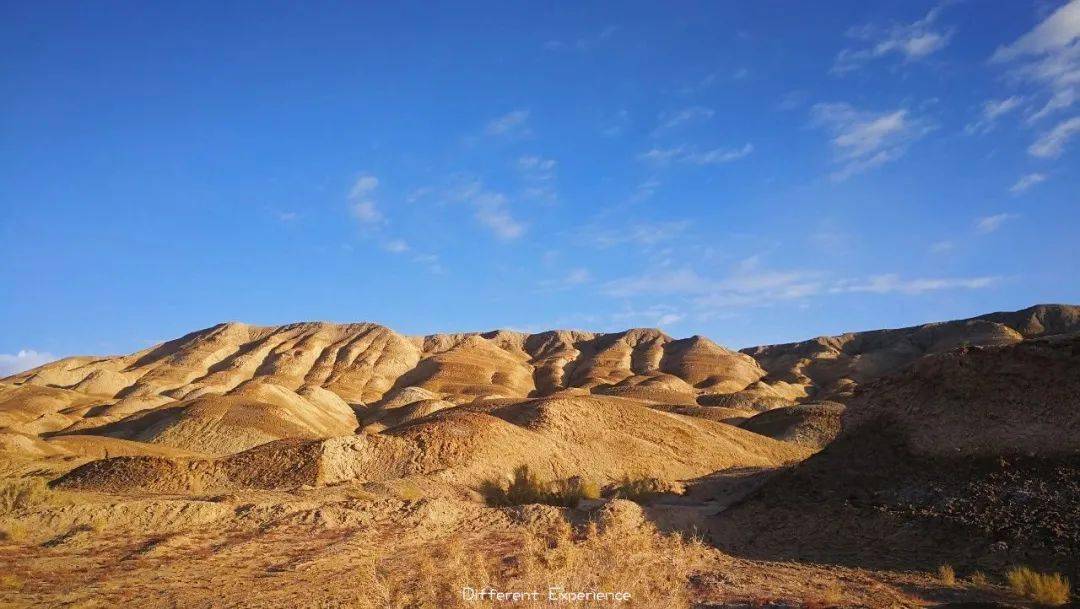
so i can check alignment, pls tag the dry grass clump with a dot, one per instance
(16, 494)
(10, 581)
(639, 489)
(1044, 588)
(653, 568)
(525, 488)
(978, 578)
(831, 596)
(946, 575)
(14, 531)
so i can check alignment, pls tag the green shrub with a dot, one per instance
(525, 487)
(1044, 588)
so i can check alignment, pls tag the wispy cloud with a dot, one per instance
(537, 168)
(888, 284)
(573, 278)
(1051, 144)
(584, 43)
(1026, 182)
(749, 283)
(672, 120)
(396, 246)
(362, 203)
(683, 154)
(908, 41)
(989, 224)
(991, 111)
(1048, 56)
(640, 234)
(864, 140)
(511, 124)
(24, 360)
(490, 208)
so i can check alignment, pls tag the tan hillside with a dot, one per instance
(831, 367)
(361, 362)
(601, 438)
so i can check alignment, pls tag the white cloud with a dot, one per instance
(887, 284)
(942, 246)
(361, 204)
(1026, 182)
(513, 123)
(863, 140)
(1051, 144)
(989, 224)
(642, 234)
(490, 208)
(286, 216)
(24, 360)
(681, 154)
(537, 168)
(1048, 56)
(991, 111)
(396, 246)
(578, 277)
(692, 114)
(585, 43)
(748, 283)
(1058, 30)
(573, 278)
(910, 41)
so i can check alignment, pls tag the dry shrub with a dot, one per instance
(639, 489)
(10, 581)
(1044, 588)
(831, 596)
(946, 575)
(525, 487)
(654, 568)
(14, 532)
(20, 494)
(979, 578)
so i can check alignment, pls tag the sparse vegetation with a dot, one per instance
(640, 489)
(655, 568)
(1044, 588)
(831, 596)
(10, 581)
(525, 487)
(978, 578)
(17, 493)
(947, 575)
(15, 531)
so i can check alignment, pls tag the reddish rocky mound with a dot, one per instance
(971, 457)
(833, 366)
(813, 424)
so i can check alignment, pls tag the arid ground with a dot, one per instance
(328, 465)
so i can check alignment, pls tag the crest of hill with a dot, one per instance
(833, 366)
(360, 363)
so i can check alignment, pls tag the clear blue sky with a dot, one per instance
(755, 172)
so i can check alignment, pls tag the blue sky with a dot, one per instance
(754, 172)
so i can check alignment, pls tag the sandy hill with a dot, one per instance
(968, 457)
(601, 438)
(361, 362)
(832, 366)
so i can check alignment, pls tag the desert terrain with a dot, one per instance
(347, 465)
